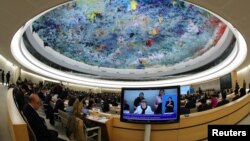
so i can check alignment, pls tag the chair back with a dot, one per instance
(63, 116)
(32, 136)
(84, 133)
(80, 134)
(71, 126)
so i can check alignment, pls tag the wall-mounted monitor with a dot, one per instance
(150, 105)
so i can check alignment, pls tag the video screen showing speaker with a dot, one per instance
(150, 105)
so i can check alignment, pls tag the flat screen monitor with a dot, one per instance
(150, 105)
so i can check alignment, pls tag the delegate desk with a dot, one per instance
(17, 125)
(103, 120)
(115, 109)
(190, 128)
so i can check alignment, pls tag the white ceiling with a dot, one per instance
(14, 13)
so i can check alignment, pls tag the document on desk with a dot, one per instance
(103, 120)
(98, 119)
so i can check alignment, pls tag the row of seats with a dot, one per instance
(81, 132)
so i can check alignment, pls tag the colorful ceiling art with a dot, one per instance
(129, 34)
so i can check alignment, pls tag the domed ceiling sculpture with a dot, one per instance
(129, 34)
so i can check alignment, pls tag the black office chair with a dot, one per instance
(32, 136)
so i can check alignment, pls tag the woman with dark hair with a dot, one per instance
(169, 105)
(86, 112)
(89, 107)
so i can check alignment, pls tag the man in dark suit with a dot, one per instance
(36, 122)
(60, 104)
(204, 106)
(223, 100)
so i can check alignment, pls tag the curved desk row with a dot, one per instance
(190, 128)
(18, 127)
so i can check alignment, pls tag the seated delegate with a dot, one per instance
(143, 108)
(36, 122)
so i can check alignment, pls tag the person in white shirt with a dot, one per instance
(143, 108)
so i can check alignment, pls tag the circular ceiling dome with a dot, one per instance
(129, 34)
(142, 40)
